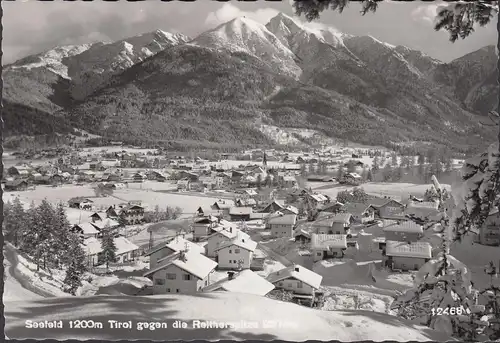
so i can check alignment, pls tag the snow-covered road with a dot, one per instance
(13, 288)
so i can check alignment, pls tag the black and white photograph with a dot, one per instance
(251, 170)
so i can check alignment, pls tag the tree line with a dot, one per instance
(44, 233)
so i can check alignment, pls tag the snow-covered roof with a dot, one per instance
(297, 272)
(423, 204)
(292, 209)
(356, 208)
(106, 222)
(180, 243)
(88, 228)
(329, 219)
(224, 204)
(284, 219)
(92, 245)
(194, 263)
(241, 242)
(403, 249)
(405, 226)
(324, 241)
(240, 210)
(245, 281)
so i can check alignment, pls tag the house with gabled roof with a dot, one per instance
(387, 208)
(183, 272)
(327, 223)
(85, 230)
(170, 247)
(221, 236)
(132, 213)
(325, 246)
(125, 250)
(240, 213)
(296, 279)
(203, 225)
(333, 207)
(273, 206)
(282, 225)
(245, 281)
(361, 213)
(236, 253)
(407, 256)
(421, 210)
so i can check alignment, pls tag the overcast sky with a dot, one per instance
(31, 26)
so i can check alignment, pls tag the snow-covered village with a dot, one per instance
(144, 198)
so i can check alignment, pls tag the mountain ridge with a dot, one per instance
(280, 65)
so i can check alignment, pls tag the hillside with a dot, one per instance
(222, 87)
(298, 323)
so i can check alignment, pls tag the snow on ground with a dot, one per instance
(394, 190)
(114, 148)
(13, 289)
(153, 185)
(291, 322)
(161, 231)
(188, 203)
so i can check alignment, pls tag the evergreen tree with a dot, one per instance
(15, 221)
(375, 164)
(108, 253)
(340, 173)
(369, 176)
(442, 283)
(394, 159)
(75, 266)
(387, 173)
(62, 236)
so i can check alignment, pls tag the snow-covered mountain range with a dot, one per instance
(292, 75)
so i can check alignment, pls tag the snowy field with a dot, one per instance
(115, 148)
(295, 323)
(394, 190)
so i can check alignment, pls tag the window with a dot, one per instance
(318, 253)
(168, 290)
(236, 251)
(290, 284)
(187, 277)
(159, 282)
(299, 284)
(177, 290)
(171, 276)
(230, 251)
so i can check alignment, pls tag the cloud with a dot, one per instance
(228, 12)
(426, 13)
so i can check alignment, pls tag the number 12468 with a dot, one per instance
(449, 311)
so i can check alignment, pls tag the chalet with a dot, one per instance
(489, 232)
(106, 223)
(353, 178)
(221, 236)
(407, 256)
(327, 246)
(184, 184)
(80, 203)
(223, 205)
(337, 224)
(282, 225)
(202, 226)
(204, 211)
(111, 212)
(316, 199)
(290, 210)
(236, 253)
(182, 272)
(240, 213)
(421, 210)
(139, 177)
(245, 281)
(125, 250)
(156, 176)
(246, 202)
(209, 182)
(296, 279)
(333, 207)
(406, 231)
(98, 216)
(16, 185)
(174, 245)
(193, 177)
(274, 206)
(387, 208)
(302, 236)
(132, 214)
(85, 230)
(361, 213)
